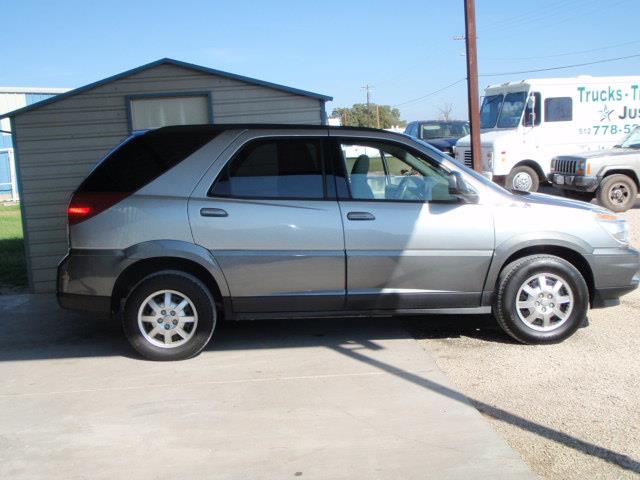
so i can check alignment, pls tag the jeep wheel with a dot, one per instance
(617, 193)
(541, 299)
(524, 179)
(170, 315)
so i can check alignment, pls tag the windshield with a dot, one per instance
(432, 130)
(633, 140)
(502, 114)
(490, 110)
(469, 171)
(511, 110)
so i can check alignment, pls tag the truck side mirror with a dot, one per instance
(530, 110)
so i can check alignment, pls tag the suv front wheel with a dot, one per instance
(169, 315)
(541, 299)
(617, 192)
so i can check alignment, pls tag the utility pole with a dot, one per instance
(472, 82)
(378, 115)
(367, 88)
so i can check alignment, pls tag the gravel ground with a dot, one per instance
(571, 410)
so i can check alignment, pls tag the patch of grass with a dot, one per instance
(13, 270)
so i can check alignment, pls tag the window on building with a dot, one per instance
(558, 109)
(156, 112)
(290, 168)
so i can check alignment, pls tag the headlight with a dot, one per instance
(554, 161)
(617, 227)
(490, 159)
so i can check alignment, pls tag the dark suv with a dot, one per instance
(439, 133)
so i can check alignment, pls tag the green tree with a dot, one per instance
(361, 116)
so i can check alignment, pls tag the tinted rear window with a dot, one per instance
(144, 158)
(290, 168)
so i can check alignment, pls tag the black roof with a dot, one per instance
(262, 126)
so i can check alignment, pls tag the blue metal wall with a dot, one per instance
(5, 141)
(5, 173)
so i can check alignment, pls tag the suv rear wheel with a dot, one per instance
(523, 178)
(617, 192)
(541, 299)
(170, 315)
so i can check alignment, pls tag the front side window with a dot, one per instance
(274, 168)
(512, 108)
(558, 109)
(385, 171)
(632, 140)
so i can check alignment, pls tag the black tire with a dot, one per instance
(516, 174)
(186, 285)
(617, 192)
(577, 195)
(512, 278)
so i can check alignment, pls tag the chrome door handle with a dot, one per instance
(213, 212)
(360, 216)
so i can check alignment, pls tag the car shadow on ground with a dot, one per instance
(47, 332)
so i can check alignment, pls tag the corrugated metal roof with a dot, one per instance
(168, 61)
(46, 90)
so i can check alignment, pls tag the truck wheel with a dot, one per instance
(576, 195)
(524, 179)
(540, 299)
(617, 192)
(170, 315)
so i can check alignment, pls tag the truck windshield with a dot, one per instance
(512, 110)
(490, 111)
(503, 111)
(633, 140)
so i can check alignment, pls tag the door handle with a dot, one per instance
(360, 216)
(213, 212)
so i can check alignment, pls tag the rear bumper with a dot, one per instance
(84, 303)
(574, 182)
(86, 280)
(616, 272)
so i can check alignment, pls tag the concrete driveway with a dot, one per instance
(313, 399)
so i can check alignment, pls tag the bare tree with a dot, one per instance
(445, 111)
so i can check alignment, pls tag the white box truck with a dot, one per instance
(525, 124)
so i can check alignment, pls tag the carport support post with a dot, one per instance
(472, 82)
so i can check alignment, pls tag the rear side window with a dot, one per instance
(274, 168)
(144, 158)
(558, 109)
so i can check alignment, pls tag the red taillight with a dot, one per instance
(88, 204)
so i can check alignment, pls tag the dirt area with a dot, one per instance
(571, 410)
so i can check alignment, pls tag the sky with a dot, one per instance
(406, 49)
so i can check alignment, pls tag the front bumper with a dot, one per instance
(580, 183)
(616, 271)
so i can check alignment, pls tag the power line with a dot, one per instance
(567, 54)
(606, 60)
(533, 14)
(431, 93)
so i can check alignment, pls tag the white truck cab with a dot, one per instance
(525, 124)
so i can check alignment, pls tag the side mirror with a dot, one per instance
(530, 110)
(458, 188)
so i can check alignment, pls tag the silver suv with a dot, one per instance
(180, 227)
